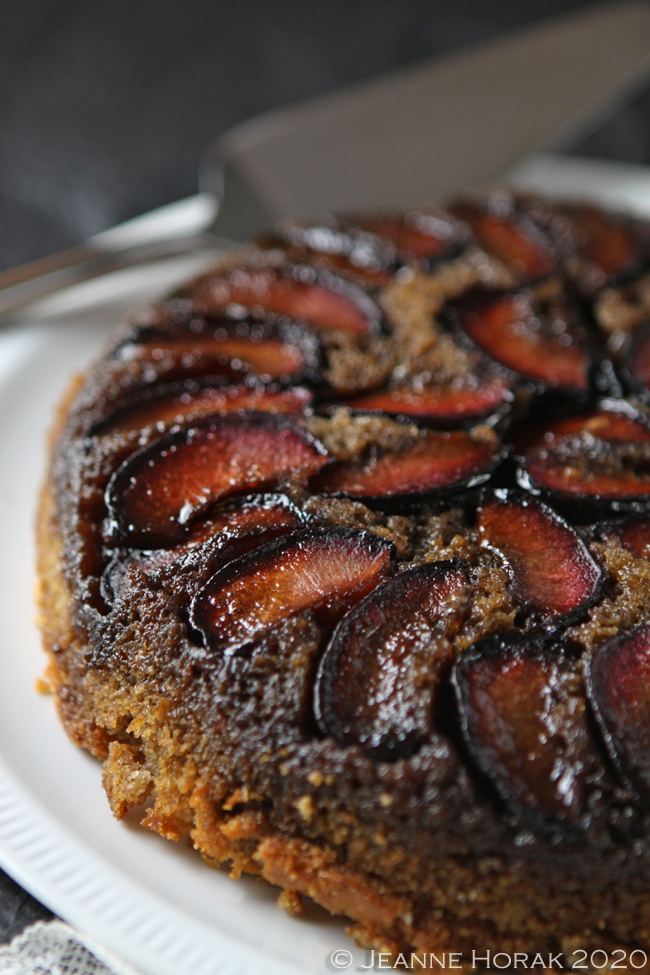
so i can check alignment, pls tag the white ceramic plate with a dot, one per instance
(153, 902)
(150, 901)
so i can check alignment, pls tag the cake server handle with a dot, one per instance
(38, 279)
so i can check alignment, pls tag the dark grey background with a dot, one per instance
(106, 106)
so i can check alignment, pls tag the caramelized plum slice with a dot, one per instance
(231, 521)
(618, 686)
(376, 246)
(335, 243)
(165, 407)
(633, 534)
(447, 406)
(511, 237)
(164, 363)
(321, 298)
(550, 566)
(242, 516)
(602, 456)
(524, 719)
(153, 496)
(231, 530)
(322, 570)
(172, 357)
(616, 421)
(377, 680)
(435, 462)
(580, 466)
(607, 247)
(420, 239)
(541, 344)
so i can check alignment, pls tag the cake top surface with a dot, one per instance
(381, 486)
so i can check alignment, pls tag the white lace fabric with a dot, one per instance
(54, 948)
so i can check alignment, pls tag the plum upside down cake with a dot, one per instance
(344, 558)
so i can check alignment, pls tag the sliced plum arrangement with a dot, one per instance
(465, 403)
(153, 496)
(323, 571)
(524, 720)
(320, 297)
(435, 462)
(511, 236)
(618, 685)
(601, 457)
(179, 404)
(551, 569)
(480, 329)
(541, 343)
(608, 249)
(377, 680)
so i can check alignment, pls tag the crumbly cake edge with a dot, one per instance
(297, 866)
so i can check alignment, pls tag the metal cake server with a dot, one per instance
(438, 127)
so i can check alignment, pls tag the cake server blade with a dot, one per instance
(437, 127)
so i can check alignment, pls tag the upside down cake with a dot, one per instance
(344, 560)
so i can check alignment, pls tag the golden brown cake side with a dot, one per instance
(509, 907)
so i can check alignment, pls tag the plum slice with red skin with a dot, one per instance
(512, 238)
(371, 276)
(370, 267)
(165, 407)
(435, 462)
(231, 358)
(153, 496)
(230, 530)
(334, 244)
(323, 571)
(377, 680)
(602, 456)
(321, 298)
(580, 466)
(618, 686)
(376, 246)
(231, 521)
(419, 238)
(633, 534)
(541, 345)
(551, 569)
(177, 344)
(524, 719)
(450, 405)
(613, 421)
(608, 249)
